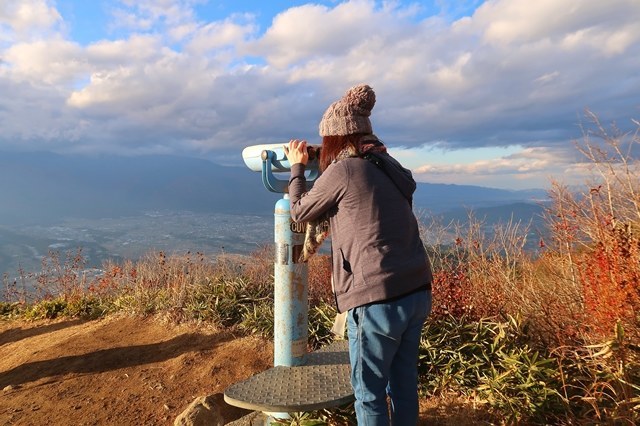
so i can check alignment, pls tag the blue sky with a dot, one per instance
(90, 21)
(492, 93)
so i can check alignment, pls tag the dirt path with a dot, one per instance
(118, 371)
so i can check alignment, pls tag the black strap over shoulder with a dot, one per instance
(377, 161)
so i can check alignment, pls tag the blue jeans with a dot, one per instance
(383, 348)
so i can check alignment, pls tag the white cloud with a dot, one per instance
(529, 166)
(144, 15)
(221, 34)
(29, 18)
(136, 49)
(609, 41)
(520, 21)
(526, 161)
(515, 72)
(312, 31)
(52, 61)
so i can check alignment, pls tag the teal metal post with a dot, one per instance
(291, 313)
(291, 310)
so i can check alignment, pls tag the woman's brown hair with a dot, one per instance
(333, 145)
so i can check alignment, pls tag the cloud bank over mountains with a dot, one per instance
(511, 77)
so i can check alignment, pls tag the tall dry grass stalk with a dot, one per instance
(596, 230)
(585, 276)
(478, 272)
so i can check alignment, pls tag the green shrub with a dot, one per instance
(46, 309)
(521, 384)
(337, 416)
(602, 381)
(258, 318)
(225, 301)
(492, 362)
(86, 307)
(321, 317)
(11, 309)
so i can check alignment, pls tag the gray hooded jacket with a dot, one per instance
(377, 253)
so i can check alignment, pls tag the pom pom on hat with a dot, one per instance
(350, 114)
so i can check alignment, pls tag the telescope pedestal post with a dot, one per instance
(291, 312)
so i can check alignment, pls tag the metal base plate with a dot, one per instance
(323, 382)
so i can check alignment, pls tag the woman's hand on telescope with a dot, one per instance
(297, 152)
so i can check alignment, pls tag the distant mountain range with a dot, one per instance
(46, 187)
(123, 207)
(43, 187)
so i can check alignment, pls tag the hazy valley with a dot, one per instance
(122, 208)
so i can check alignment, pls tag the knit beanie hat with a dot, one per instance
(350, 114)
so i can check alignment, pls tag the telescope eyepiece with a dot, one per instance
(314, 152)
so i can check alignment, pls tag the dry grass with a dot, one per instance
(454, 410)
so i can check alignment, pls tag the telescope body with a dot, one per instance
(255, 155)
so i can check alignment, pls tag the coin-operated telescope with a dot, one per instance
(299, 381)
(290, 274)
(270, 159)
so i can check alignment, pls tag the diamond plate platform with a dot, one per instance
(323, 382)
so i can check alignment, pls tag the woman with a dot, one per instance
(381, 273)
